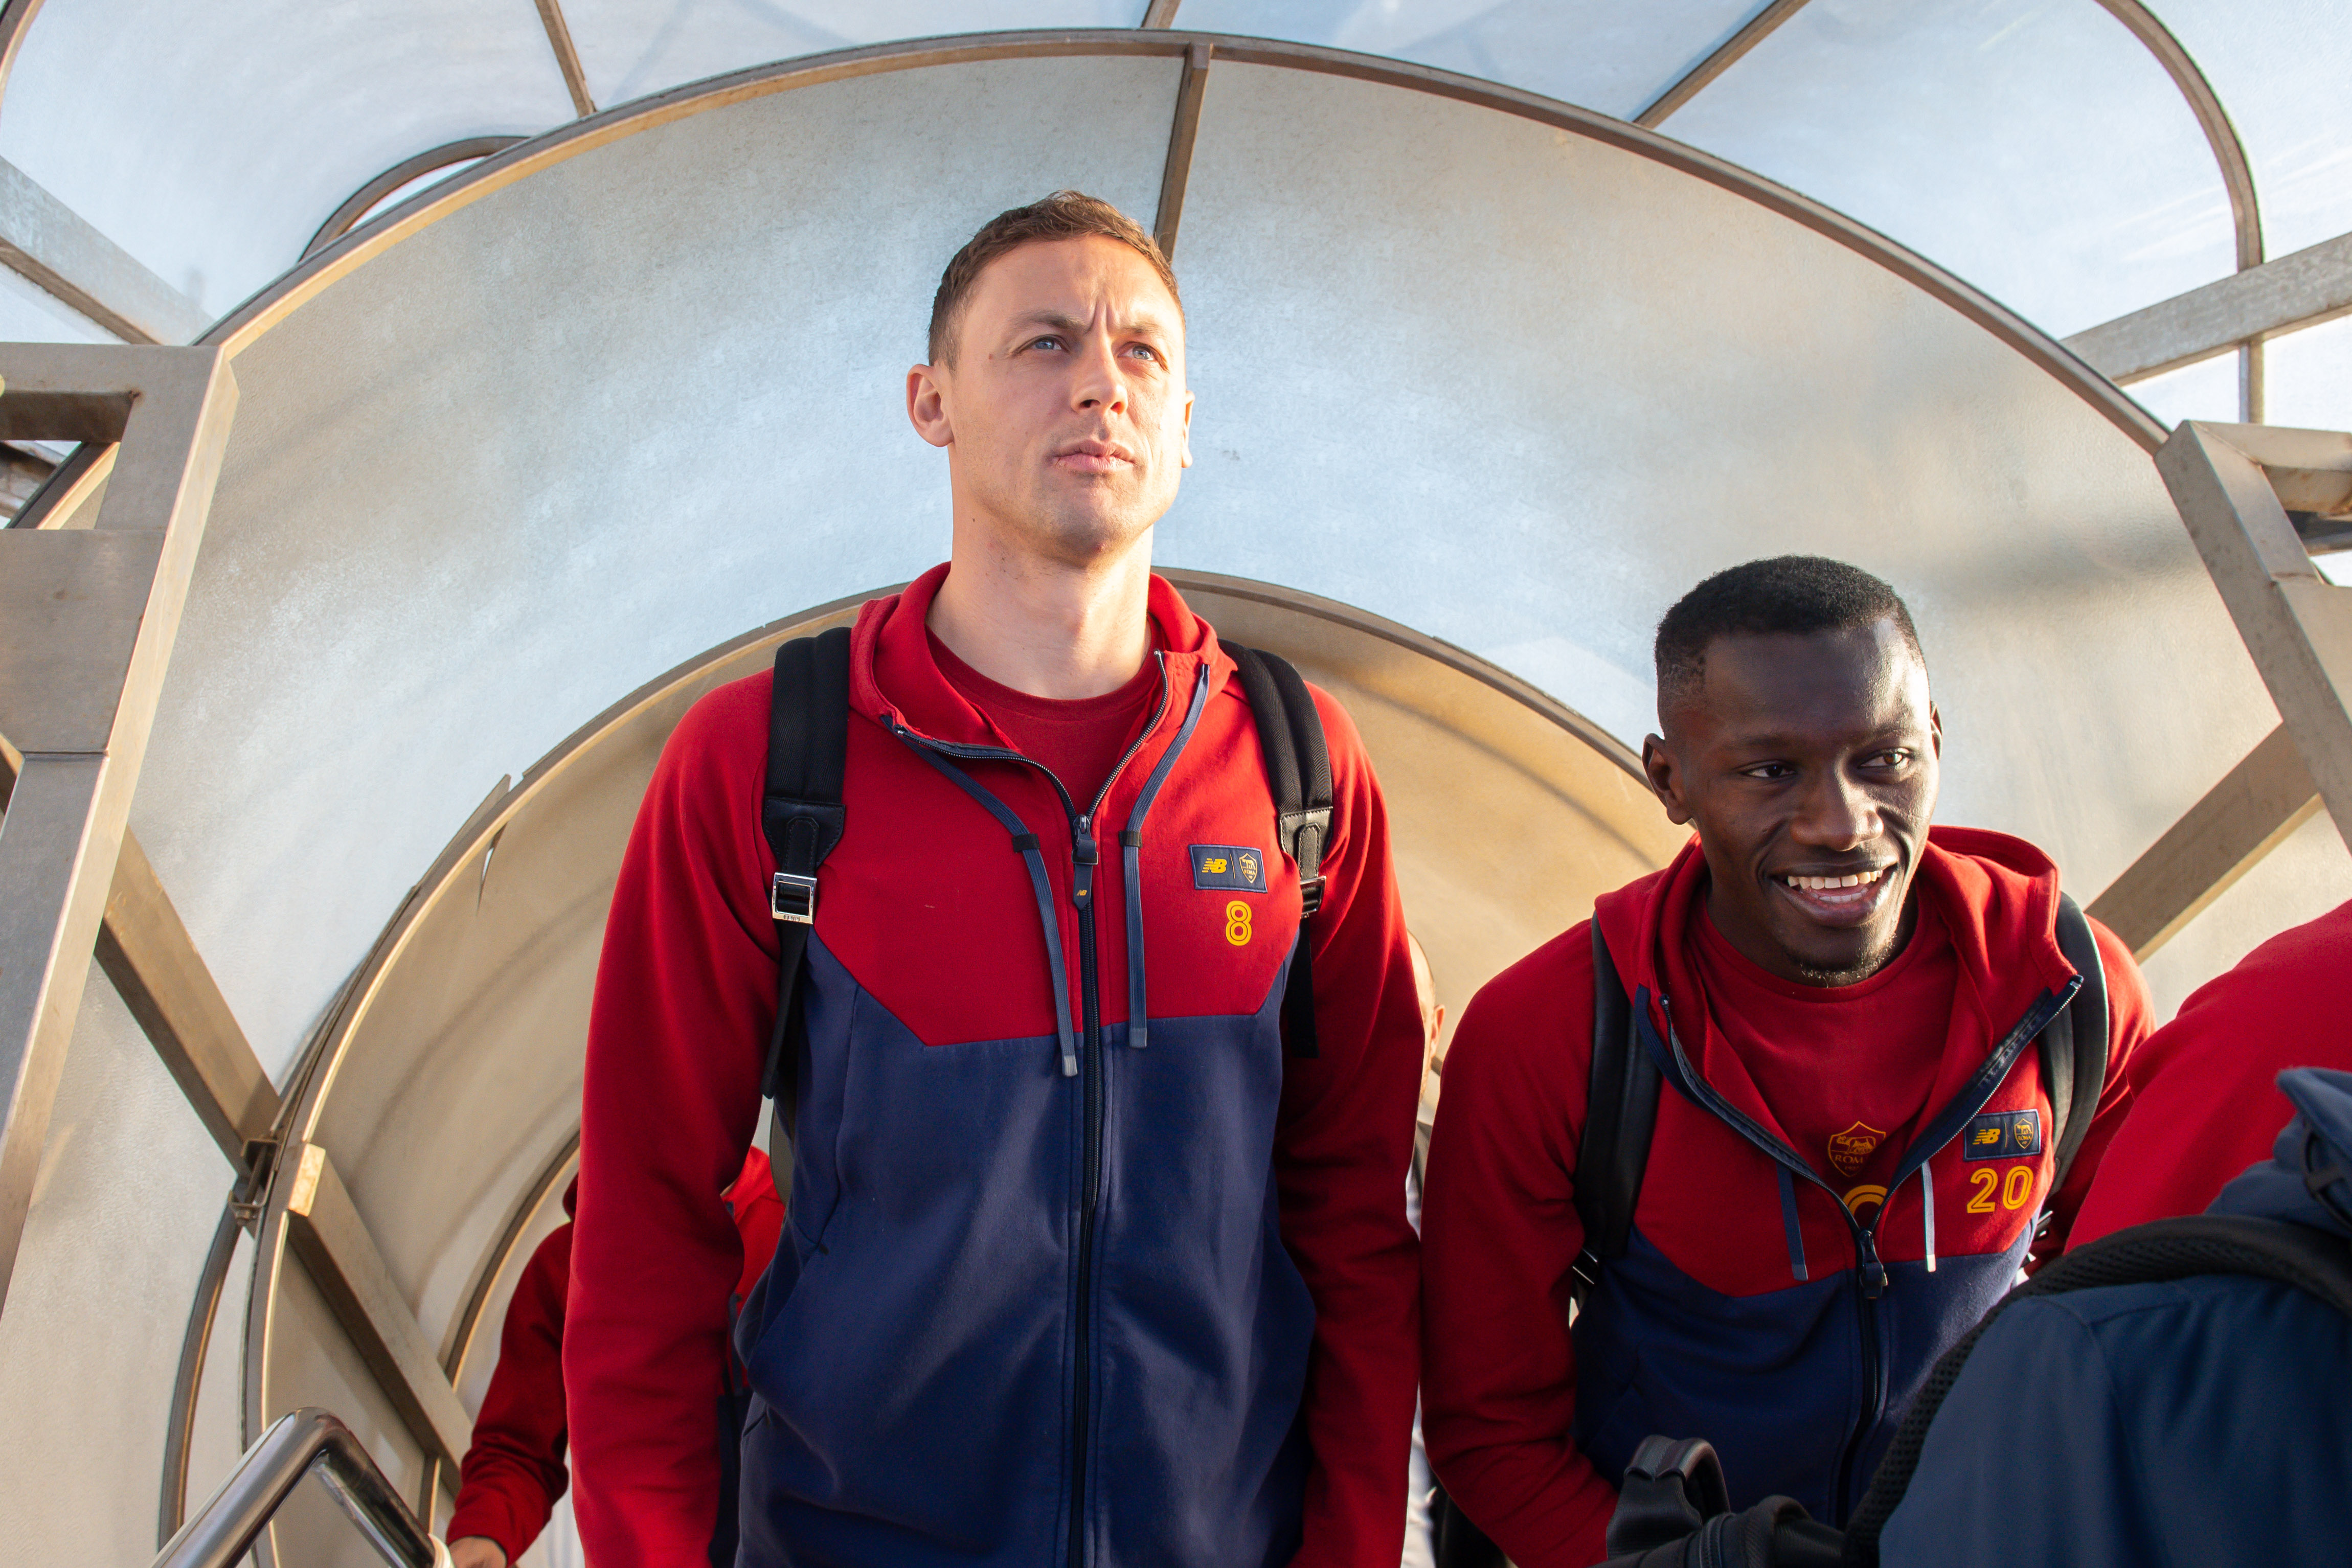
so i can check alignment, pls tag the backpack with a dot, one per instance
(1622, 1112)
(802, 815)
(1673, 1512)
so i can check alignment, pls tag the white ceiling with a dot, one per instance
(2034, 147)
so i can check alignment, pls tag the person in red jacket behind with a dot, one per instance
(513, 1471)
(2205, 1100)
(1092, 1259)
(1853, 1140)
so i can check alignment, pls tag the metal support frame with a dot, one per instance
(2267, 796)
(58, 251)
(2236, 486)
(1688, 85)
(567, 58)
(86, 622)
(1181, 134)
(362, 202)
(2297, 290)
(342, 1258)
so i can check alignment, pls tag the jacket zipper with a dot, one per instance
(1085, 855)
(1869, 1270)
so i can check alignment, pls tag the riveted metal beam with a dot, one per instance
(342, 1257)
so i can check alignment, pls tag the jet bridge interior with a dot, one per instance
(519, 467)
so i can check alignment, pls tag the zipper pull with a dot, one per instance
(1084, 859)
(1873, 1272)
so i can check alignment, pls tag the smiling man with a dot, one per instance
(1097, 1252)
(1865, 1033)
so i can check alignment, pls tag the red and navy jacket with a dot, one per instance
(1751, 1307)
(2205, 1100)
(1058, 1287)
(513, 1471)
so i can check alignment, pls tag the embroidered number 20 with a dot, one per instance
(2015, 1193)
(1237, 923)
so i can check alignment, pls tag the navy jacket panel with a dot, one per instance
(911, 1393)
(2187, 1422)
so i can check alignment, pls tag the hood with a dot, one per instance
(571, 1198)
(893, 674)
(2308, 1180)
(1997, 895)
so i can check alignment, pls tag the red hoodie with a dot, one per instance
(928, 967)
(513, 1471)
(1721, 1319)
(2205, 1098)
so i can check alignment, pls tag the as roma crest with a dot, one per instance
(1851, 1149)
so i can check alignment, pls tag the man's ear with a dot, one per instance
(1935, 729)
(1664, 774)
(1184, 437)
(927, 405)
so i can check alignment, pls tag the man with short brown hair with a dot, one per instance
(1091, 1259)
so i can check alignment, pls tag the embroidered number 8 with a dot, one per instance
(1237, 923)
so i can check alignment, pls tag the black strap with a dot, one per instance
(802, 813)
(2074, 1046)
(1621, 1112)
(2307, 1258)
(1298, 772)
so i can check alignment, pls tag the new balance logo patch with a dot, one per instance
(1234, 868)
(2002, 1135)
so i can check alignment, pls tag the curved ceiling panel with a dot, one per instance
(2278, 66)
(211, 142)
(630, 49)
(2037, 150)
(1599, 54)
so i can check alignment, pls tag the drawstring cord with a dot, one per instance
(1130, 842)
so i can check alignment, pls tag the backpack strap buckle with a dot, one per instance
(792, 898)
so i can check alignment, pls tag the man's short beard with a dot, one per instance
(1868, 963)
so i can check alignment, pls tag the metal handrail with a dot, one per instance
(224, 1529)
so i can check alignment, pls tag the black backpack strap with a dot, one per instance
(802, 813)
(2075, 1045)
(1620, 1113)
(1299, 771)
(2307, 1258)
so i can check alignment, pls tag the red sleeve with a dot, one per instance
(513, 1472)
(2131, 1018)
(2205, 1099)
(759, 1217)
(1499, 1231)
(1342, 1145)
(685, 995)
